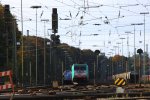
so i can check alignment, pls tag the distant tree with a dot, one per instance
(116, 58)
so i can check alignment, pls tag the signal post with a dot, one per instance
(55, 42)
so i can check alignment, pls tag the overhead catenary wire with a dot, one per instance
(95, 13)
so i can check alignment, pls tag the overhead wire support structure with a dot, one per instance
(36, 7)
(128, 32)
(44, 20)
(128, 53)
(15, 47)
(134, 24)
(122, 51)
(144, 13)
(22, 56)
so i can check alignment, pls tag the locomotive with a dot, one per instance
(80, 73)
(67, 77)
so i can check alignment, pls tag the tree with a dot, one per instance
(116, 58)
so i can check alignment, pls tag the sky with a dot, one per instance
(105, 25)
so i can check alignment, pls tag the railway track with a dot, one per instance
(77, 92)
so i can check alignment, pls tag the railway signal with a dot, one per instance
(54, 20)
(140, 51)
(55, 39)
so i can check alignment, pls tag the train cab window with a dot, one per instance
(82, 68)
(76, 68)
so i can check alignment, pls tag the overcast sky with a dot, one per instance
(110, 19)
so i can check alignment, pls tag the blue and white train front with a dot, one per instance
(67, 77)
(80, 73)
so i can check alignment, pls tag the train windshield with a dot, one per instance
(80, 68)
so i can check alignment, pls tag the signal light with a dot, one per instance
(54, 20)
(7, 8)
(55, 39)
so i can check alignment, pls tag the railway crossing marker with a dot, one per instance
(120, 82)
(8, 85)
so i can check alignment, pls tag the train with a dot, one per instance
(80, 73)
(67, 77)
(130, 77)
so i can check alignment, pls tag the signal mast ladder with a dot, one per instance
(10, 84)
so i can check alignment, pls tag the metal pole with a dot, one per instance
(128, 44)
(149, 66)
(94, 73)
(44, 20)
(112, 70)
(122, 53)
(134, 56)
(49, 52)
(115, 49)
(135, 48)
(122, 50)
(127, 64)
(112, 66)
(144, 13)
(144, 49)
(128, 32)
(62, 65)
(97, 67)
(139, 69)
(36, 7)
(30, 74)
(44, 56)
(29, 59)
(15, 50)
(117, 61)
(36, 50)
(118, 48)
(22, 56)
